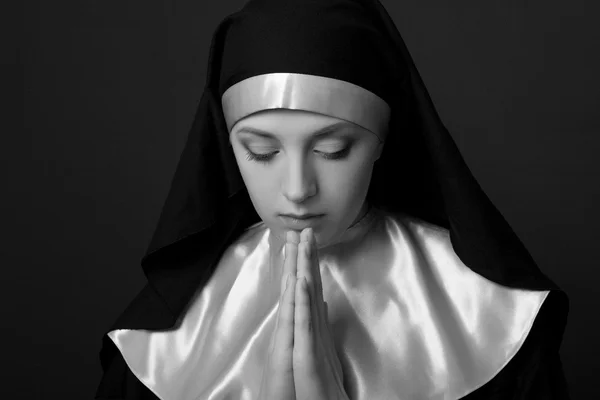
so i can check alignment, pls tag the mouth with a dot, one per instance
(300, 222)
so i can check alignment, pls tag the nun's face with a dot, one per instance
(298, 162)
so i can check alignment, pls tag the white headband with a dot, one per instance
(318, 94)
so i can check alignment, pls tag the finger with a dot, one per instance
(322, 309)
(284, 334)
(291, 255)
(303, 327)
(289, 262)
(311, 269)
(319, 296)
(337, 363)
(293, 237)
(314, 253)
(289, 267)
(305, 270)
(304, 262)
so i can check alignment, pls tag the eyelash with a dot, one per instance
(266, 158)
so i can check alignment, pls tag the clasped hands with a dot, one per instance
(302, 362)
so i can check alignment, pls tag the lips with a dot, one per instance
(300, 216)
(300, 222)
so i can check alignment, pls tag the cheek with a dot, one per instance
(347, 184)
(259, 183)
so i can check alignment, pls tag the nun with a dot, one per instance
(324, 239)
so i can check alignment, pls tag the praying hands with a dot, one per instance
(302, 362)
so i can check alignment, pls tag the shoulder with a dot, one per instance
(530, 323)
(536, 370)
(413, 223)
(423, 235)
(247, 241)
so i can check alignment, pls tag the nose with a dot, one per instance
(299, 182)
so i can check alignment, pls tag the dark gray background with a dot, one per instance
(110, 89)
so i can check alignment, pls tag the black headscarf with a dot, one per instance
(208, 206)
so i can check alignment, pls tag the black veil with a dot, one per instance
(207, 206)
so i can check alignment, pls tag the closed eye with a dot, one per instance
(267, 157)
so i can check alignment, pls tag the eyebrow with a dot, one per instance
(320, 133)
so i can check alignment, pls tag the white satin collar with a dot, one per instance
(409, 319)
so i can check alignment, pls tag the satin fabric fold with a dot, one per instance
(409, 319)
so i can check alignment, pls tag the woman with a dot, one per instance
(407, 284)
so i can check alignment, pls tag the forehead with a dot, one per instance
(297, 123)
